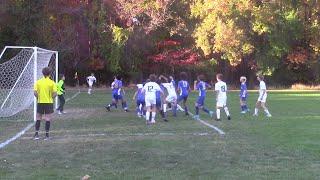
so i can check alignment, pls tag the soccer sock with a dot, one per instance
(218, 113)
(153, 114)
(185, 109)
(138, 110)
(162, 114)
(206, 110)
(174, 110)
(197, 110)
(37, 126)
(47, 128)
(164, 108)
(256, 110)
(147, 115)
(245, 107)
(124, 105)
(266, 111)
(242, 108)
(226, 110)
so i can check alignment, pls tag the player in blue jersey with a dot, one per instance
(184, 89)
(201, 87)
(117, 94)
(140, 100)
(243, 95)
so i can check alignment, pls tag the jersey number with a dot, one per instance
(150, 88)
(223, 88)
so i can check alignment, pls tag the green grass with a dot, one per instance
(118, 145)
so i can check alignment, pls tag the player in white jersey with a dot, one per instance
(172, 95)
(262, 99)
(150, 89)
(90, 80)
(221, 97)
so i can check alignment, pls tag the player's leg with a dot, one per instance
(218, 113)
(264, 107)
(40, 112)
(47, 118)
(174, 107)
(90, 89)
(153, 113)
(62, 102)
(113, 103)
(242, 105)
(185, 105)
(159, 107)
(123, 103)
(226, 110)
(138, 108)
(256, 109)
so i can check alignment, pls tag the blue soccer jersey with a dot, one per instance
(140, 95)
(184, 88)
(117, 87)
(201, 87)
(243, 91)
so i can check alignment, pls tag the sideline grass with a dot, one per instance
(107, 145)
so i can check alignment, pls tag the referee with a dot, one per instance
(44, 90)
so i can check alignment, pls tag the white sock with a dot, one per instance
(266, 111)
(164, 107)
(153, 116)
(256, 111)
(226, 110)
(147, 115)
(218, 113)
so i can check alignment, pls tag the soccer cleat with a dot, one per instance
(229, 117)
(108, 108)
(36, 137)
(47, 138)
(255, 115)
(59, 112)
(165, 120)
(269, 115)
(187, 114)
(196, 117)
(211, 114)
(126, 110)
(243, 112)
(218, 119)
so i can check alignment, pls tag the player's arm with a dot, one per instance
(208, 85)
(263, 93)
(134, 95)
(165, 78)
(216, 89)
(35, 90)
(54, 90)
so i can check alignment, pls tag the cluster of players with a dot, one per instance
(161, 94)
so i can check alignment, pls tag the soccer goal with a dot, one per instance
(20, 68)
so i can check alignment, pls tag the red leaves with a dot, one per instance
(176, 57)
(298, 56)
(167, 43)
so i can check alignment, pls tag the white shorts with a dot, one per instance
(221, 102)
(90, 84)
(263, 99)
(171, 98)
(150, 101)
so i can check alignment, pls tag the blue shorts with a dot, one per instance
(200, 100)
(117, 97)
(243, 98)
(182, 97)
(141, 102)
(158, 103)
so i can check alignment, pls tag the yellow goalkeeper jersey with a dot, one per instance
(45, 88)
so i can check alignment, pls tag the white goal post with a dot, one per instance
(20, 68)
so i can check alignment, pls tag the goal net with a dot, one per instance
(20, 67)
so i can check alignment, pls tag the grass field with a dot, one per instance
(118, 145)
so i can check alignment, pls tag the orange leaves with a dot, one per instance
(298, 56)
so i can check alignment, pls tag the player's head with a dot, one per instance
(260, 77)
(243, 79)
(62, 77)
(153, 77)
(219, 77)
(92, 74)
(171, 78)
(200, 77)
(118, 77)
(183, 75)
(162, 80)
(46, 71)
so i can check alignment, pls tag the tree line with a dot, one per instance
(278, 38)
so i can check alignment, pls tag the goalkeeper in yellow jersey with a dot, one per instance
(44, 90)
(61, 92)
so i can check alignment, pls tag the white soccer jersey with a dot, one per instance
(91, 79)
(170, 88)
(221, 87)
(262, 92)
(150, 90)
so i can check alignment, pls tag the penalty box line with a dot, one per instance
(29, 126)
(205, 123)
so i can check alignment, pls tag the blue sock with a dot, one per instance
(174, 110)
(206, 110)
(242, 108)
(245, 107)
(124, 105)
(186, 109)
(197, 110)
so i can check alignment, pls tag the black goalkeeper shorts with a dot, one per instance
(45, 108)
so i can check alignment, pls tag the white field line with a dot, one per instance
(24, 130)
(205, 123)
(132, 134)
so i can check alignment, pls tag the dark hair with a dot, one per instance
(183, 75)
(201, 77)
(118, 77)
(219, 76)
(46, 71)
(152, 77)
(261, 77)
(61, 76)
